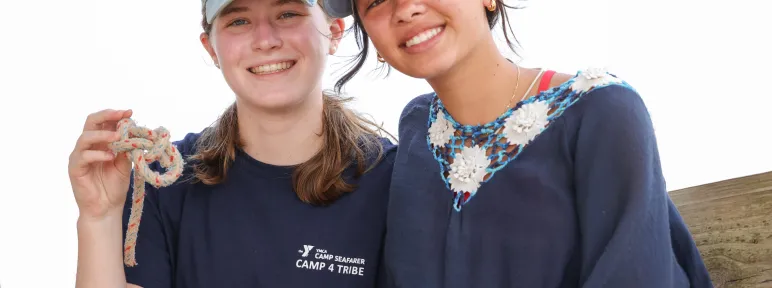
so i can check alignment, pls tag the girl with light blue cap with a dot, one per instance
(287, 189)
(509, 176)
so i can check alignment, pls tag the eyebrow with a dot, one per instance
(285, 2)
(233, 9)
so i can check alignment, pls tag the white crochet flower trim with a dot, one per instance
(468, 169)
(526, 123)
(592, 77)
(441, 131)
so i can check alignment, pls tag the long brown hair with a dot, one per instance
(348, 138)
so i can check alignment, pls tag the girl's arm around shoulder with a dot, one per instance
(631, 233)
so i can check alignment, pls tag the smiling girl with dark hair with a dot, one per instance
(517, 177)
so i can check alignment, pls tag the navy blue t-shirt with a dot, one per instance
(563, 190)
(253, 231)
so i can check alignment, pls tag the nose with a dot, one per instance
(409, 10)
(266, 37)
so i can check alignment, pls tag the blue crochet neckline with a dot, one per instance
(489, 136)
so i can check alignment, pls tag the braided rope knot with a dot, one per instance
(145, 146)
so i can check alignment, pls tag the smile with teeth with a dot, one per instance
(272, 68)
(426, 35)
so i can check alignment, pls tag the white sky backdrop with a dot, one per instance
(701, 76)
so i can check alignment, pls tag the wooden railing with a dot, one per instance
(731, 222)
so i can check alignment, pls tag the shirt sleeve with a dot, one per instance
(383, 279)
(685, 248)
(631, 236)
(153, 269)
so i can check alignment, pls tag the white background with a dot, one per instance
(701, 66)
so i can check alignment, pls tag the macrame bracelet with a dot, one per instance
(144, 146)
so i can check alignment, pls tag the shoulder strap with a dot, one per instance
(545, 80)
(532, 84)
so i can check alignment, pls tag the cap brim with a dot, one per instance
(214, 7)
(339, 8)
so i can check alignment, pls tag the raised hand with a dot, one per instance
(99, 179)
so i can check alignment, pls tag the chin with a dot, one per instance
(425, 67)
(275, 100)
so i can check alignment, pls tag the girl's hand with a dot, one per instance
(99, 179)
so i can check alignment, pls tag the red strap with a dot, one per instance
(545, 80)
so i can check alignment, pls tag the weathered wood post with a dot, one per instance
(731, 221)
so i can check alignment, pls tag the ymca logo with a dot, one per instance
(321, 260)
(306, 250)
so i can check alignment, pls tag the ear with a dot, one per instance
(486, 4)
(207, 43)
(337, 26)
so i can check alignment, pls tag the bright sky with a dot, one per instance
(701, 78)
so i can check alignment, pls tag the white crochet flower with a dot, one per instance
(592, 77)
(440, 131)
(526, 122)
(468, 169)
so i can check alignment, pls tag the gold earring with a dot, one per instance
(492, 7)
(380, 58)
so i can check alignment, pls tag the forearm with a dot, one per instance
(100, 261)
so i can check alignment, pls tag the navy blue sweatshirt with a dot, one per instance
(574, 196)
(253, 231)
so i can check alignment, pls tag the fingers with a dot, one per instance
(91, 156)
(123, 164)
(110, 125)
(80, 160)
(89, 139)
(94, 121)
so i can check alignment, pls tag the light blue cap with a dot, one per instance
(214, 7)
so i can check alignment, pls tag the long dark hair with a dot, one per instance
(362, 38)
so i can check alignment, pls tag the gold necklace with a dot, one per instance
(517, 84)
(527, 91)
